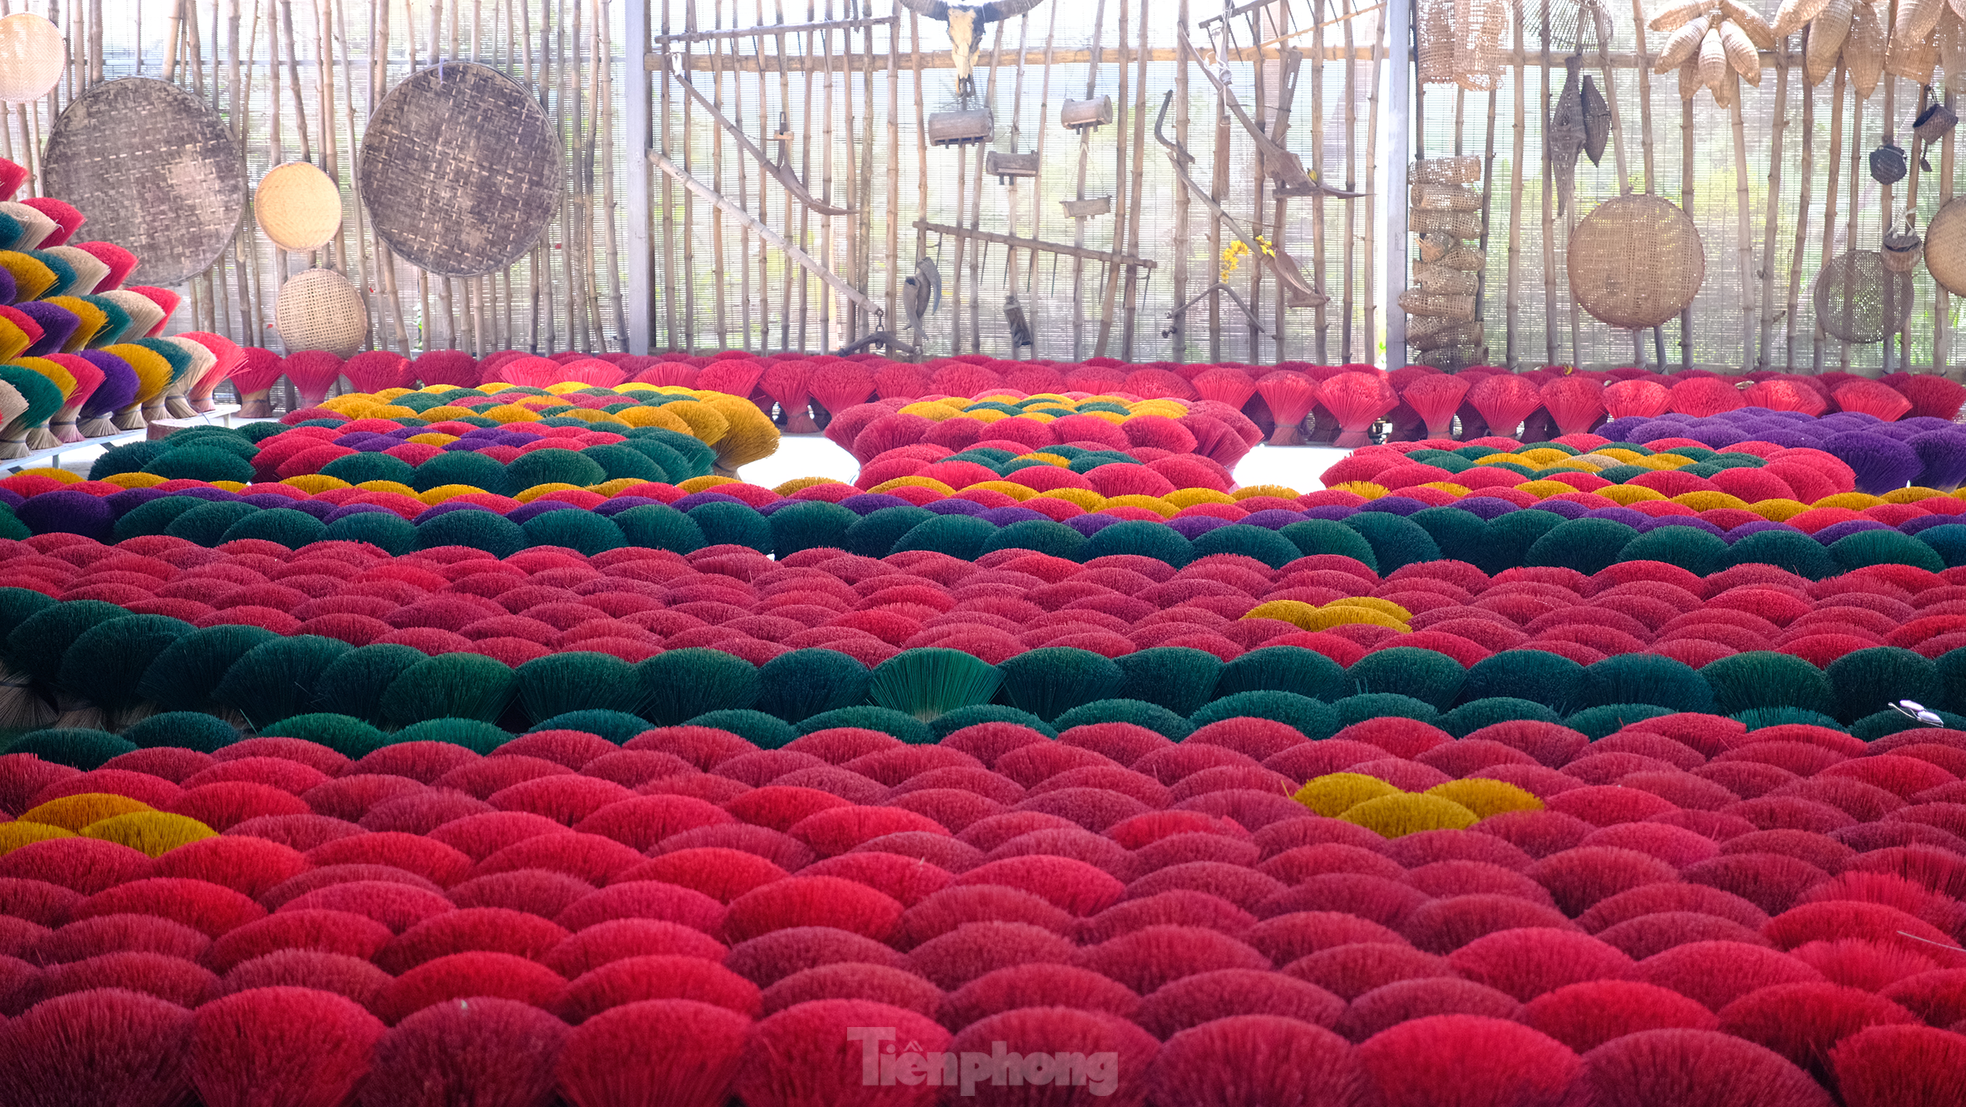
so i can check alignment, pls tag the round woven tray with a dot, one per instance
(297, 206)
(1945, 247)
(460, 170)
(1858, 300)
(31, 56)
(155, 171)
(320, 310)
(1636, 261)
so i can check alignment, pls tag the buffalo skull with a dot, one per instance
(966, 30)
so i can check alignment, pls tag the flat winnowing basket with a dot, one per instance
(1945, 247)
(1859, 301)
(1636, 261)
(460, 169)
(31, 56)
(156, 172)
(320, 310)
(298, 207)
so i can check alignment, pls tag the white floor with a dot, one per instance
(813, 456)
(1297, 467)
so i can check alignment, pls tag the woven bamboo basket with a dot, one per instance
(1460, 309)
(1442, 280)
(320, 310)
(1446, 171)
(1435, 246)
(1460, 224)
(1455, 334)
(1465, 257)
(156, 172)
(1439, 53)
(1858, 300)
(31, 56)
(1900, 249)
(298, 207)
(1945, 247)
(460, 169)
(1436, 197)
(1636, 261)
(1479, 26)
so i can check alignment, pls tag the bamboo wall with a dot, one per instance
(297, 79)
(1778, 183)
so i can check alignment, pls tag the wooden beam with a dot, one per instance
(775, 29)
(940, 59)
(1034, 244)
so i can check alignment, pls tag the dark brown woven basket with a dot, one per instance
(460, 170)
(156, 172)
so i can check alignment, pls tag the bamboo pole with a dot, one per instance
(669, 320)
(1856, 170)
(1346, 348)
(862, 200)
(1139, 204)
(1805, 179)
(1885, 193)
(604, 33)
(1182, 201)
(719, 267)
(976, 206)
(1772, 202)
(1686, 204)
(1085, 156)
(1941, 299)
(1371, 190)
(764, 192)
(1037, 183)
(293, 78)
(1320, 317)
(1834, 164)
(890, 304)
(1123, 215)
(1260, 183)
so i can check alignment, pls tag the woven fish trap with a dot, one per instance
(31, 56)
(1439, 50)
(320, 310)
(1445, 171)
(1465, 257)
(1437, 197)
(1479, 26)
(1460, 224)
(1455, 334)
(1945, 247)
(1440, 279)
(1449, 357)
(298, 207)
(460, 170)
(156, 172)
(1415, 301)
(1635, 261)
(1859, 301)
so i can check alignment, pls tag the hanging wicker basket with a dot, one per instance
(1440, 279)
(1858, 300)
(298, 207)
(1636, 261)
(1888, 165)
(1445, 171)
(1900, 248)
(1935, 122)
(1945, 247)
(1460, 224)
(1460, 309)
(320, 310)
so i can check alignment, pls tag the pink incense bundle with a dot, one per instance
(1224, 384)
(839, 385)
(1436, 398)
(68, 219)
(662, 374)
(1504, 401)
(313, 373)
(1575, 403)
(229, 355)
(788, 384)
(12, 176)
(1785, 395)
(1871, 398)
(376, 370)
(253, 378)
(163, 298)
(1703, 397)
(1644, 399)
(1290, 397)
(1931, 395)
(735, 376)
(120, 261)
(590, 370)
(88, 377)
(454, 367)
(1357, 400)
